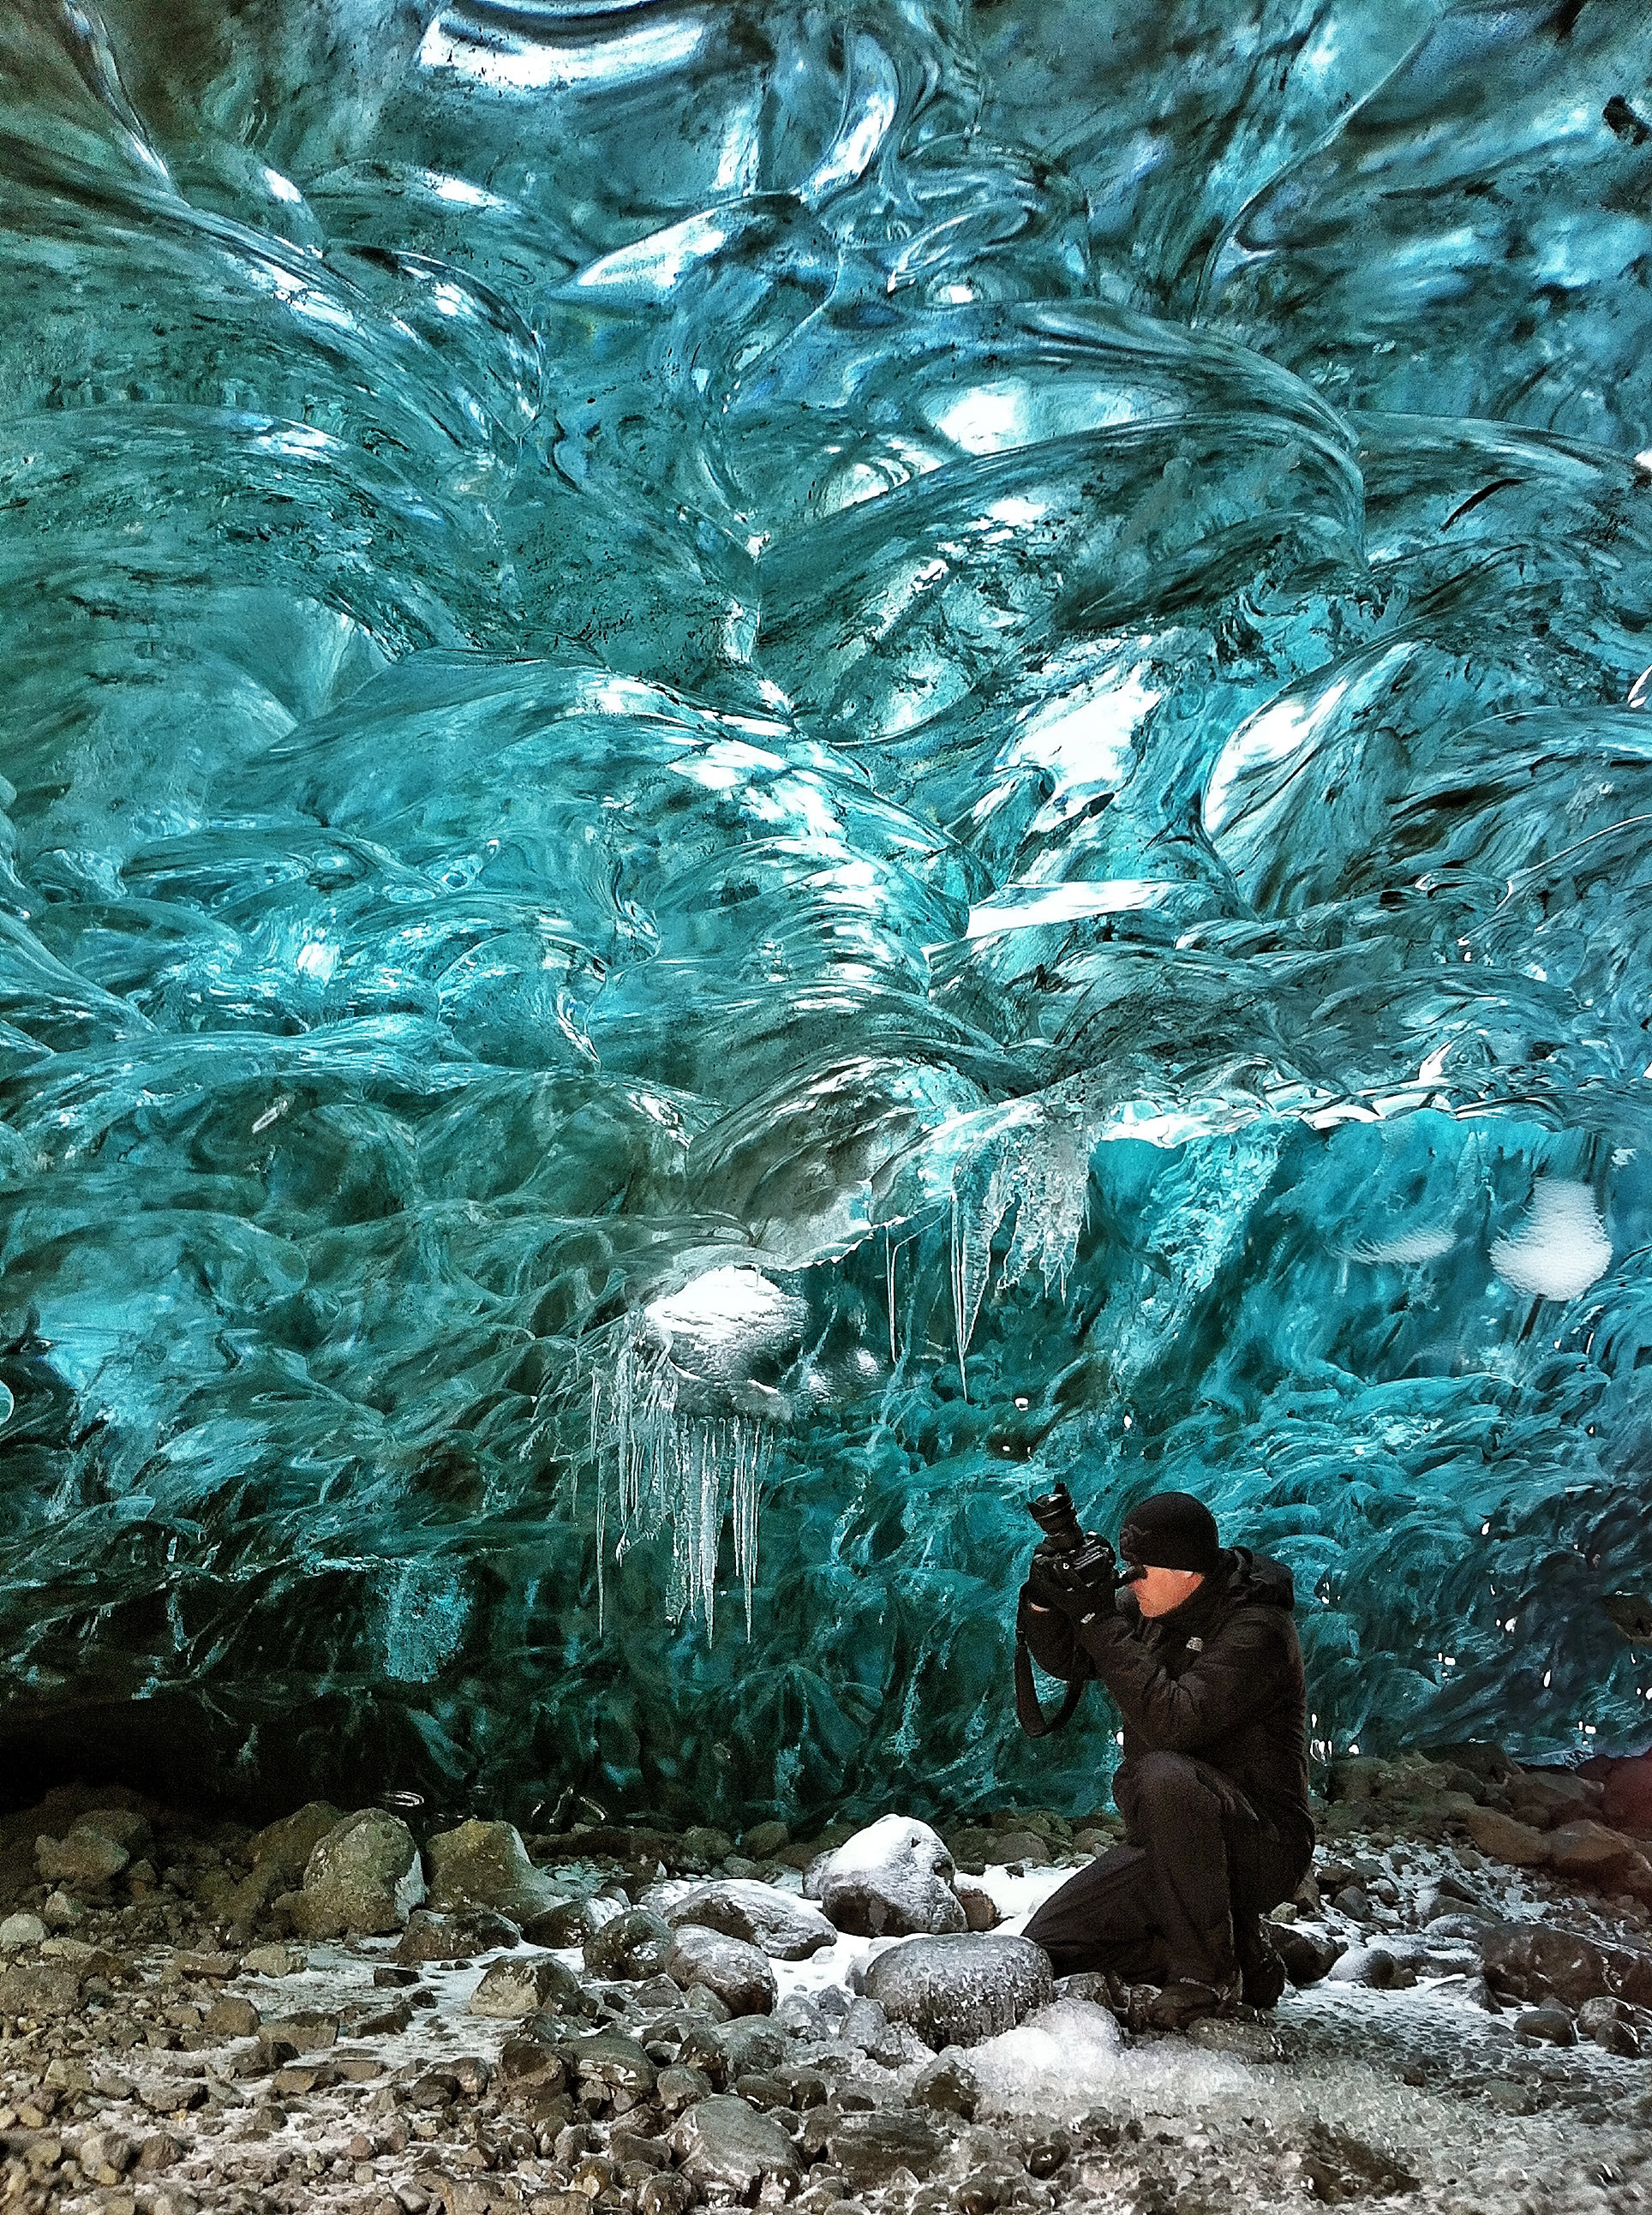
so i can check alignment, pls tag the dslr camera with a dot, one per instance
(1082, 1556)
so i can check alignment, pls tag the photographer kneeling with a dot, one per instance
(1197, 1646)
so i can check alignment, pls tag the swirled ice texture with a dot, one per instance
(773, 767)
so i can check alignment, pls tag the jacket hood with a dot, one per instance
(1265, 1580)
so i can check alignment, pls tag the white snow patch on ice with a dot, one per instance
(1560, 1248)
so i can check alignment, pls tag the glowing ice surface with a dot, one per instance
(771, 770)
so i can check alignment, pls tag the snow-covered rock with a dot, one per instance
(892, 1879)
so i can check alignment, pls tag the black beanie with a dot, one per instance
(1171, 1531)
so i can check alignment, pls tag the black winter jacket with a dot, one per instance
(1220, 1677)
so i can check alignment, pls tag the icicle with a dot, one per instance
(889, 1277)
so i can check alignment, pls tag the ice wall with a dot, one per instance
(768, 770)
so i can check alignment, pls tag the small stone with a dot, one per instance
(679, 2087)
(609, 2059)
(980, 1909)
(310, 2030)
(59, 1911)
(957, 1991)
(1307, 1952)
(1353, 1901)
(90, 1853)
(21, 1930)
(738, 1974)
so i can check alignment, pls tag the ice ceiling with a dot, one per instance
(769, 768)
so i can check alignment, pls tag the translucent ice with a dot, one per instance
(769, 769)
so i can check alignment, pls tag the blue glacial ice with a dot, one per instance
(768, 770)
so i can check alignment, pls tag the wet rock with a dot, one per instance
(948, 2085)
(362, 1878)
(1609, 2024)
(1308, 1953)
(86, 1856)
(867, 2027)
(872, 2148)
(957, 1991)
(1546, 2026)
(487, 1865)
(737, 1974)
(1626, 1797)
(564, 1923)
(1534, 1962)
(892, 1879)
(231, 2017)
(515, 1987)
(780, 1925)
(275, 1961)
(1353, 1901)
(628, 1947)
(766, 1840)
(1341, 2167)
(1373, 1966)
(280, 1853)
(1588, 1853)
(21, 1930)
(980, 1909)
(609, 2059)
(457, 1938)
(727, 2148)
(531, 2061)
(701, 1847)
(1504, 1839)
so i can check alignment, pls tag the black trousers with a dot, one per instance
(1181, 1898)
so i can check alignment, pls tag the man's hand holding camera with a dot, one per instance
(1076, 1581)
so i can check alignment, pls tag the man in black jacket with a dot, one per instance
(1199, 1653)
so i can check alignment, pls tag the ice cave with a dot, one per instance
(772, 767)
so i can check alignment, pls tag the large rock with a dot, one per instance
(630, 1946)
(91, 1852)
(515, 1987)
(890, 1879)
(363, 1878)
(1589, 1854)
(785, 1928)
(457, 1938)
(957, 1991)
(610, 2060)
(487, 1865)
(1627, 1803)
(737, 1974)
(871, 2150)
(1307, 1954)
(1506, 1840)
(1534, 1962)
(730, 2151)
(280, 1854)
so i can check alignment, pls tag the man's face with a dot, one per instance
(1158, 1591)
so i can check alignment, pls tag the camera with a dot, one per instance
(1083, 1554)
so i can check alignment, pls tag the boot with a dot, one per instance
(1262, 1970)
(1182, 2004)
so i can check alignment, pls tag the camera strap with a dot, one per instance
(1031, 1717)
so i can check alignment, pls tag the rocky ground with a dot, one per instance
(331, 2014)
